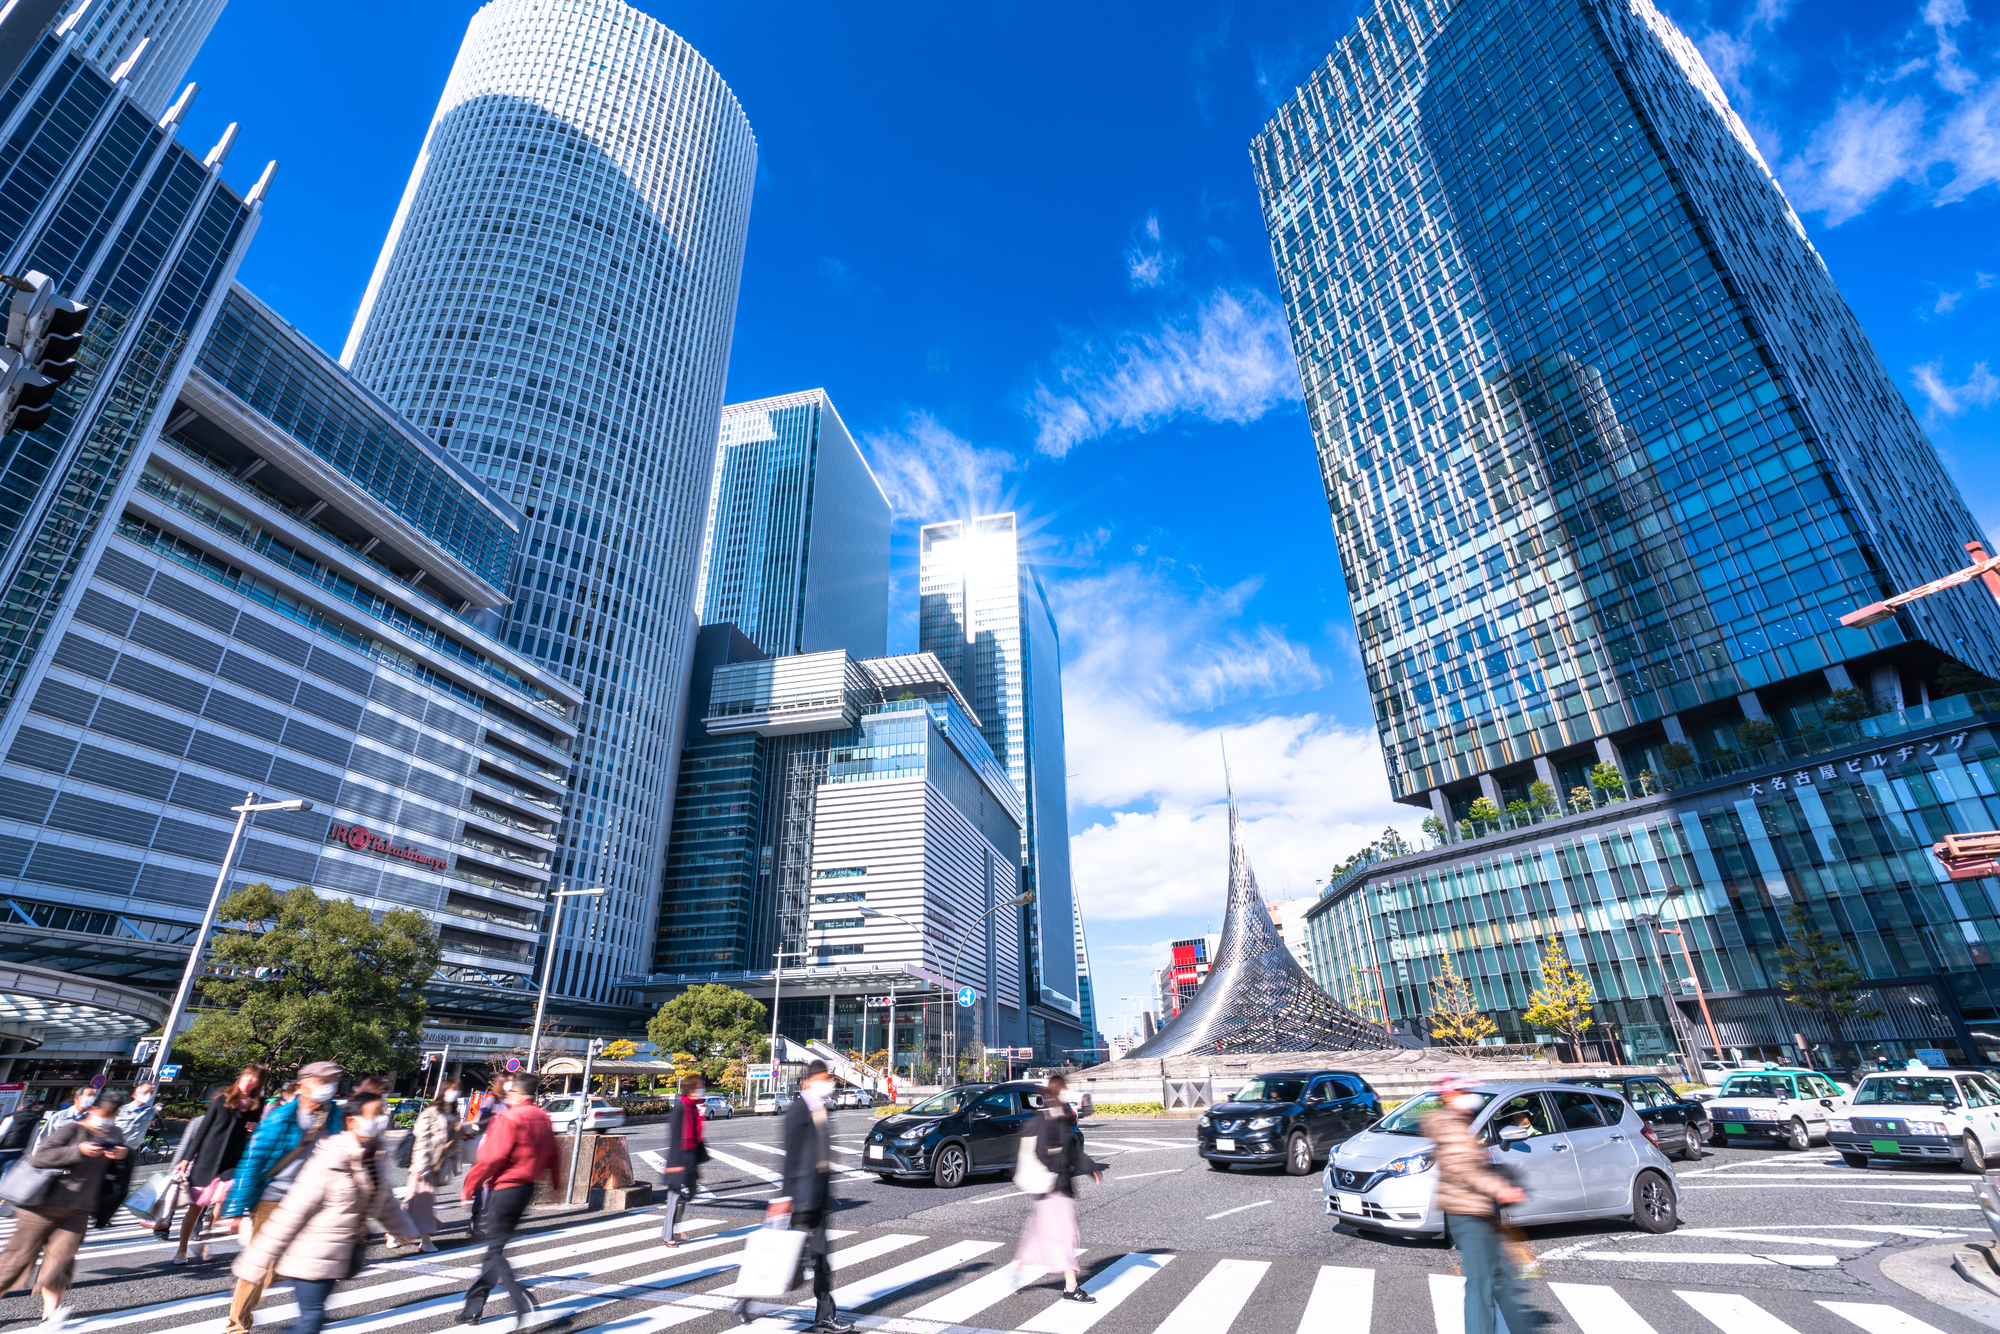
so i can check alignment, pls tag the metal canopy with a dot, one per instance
(60, 1007)
(1256, 998)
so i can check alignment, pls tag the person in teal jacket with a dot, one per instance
(271, 1162)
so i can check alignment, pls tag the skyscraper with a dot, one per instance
(797, 550)
(554, 304)
(985, 615)
(1607, 458)
(109, 32)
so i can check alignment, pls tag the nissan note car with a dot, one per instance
(1578, 1153)
(960, 1133)
(1289, 1117)
(1940, 1115)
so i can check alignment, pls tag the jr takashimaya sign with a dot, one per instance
(363, 839)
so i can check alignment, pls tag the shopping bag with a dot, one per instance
(1031, 1174)
(770, 1262)
(145, 1201)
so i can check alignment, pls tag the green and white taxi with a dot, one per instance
(1939, 1115)
(1789, 1105)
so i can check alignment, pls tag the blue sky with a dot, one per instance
(1020, 247)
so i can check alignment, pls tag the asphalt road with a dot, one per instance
(1771, 1242)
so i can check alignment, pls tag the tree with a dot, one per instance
(712, 1024)
(1849, 705)
(1518, 809)
(1580, 799)
(1649, 782)
(622, 1050)
(1365, 998)
(1677, 755)
(1955, 678)
(1756, 733)
(1815, 974)
(1543, 795)
(1606, 778)
(303, 979)
(1483, 811)
(1392, 844)
(1434, 827)
(1455, 1019)
(1562, 1003)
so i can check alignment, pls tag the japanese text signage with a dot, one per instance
(1856, 766)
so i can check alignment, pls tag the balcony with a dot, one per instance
(538, 829)
(510, 856)
(505, 786)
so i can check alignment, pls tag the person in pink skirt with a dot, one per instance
(1050, 1238)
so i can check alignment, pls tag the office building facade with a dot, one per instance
(554, 304)
(984, 614)
(1607, 457)
(797, 548)
(848, 816)
(159, 37)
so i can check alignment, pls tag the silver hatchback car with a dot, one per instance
(1578, 1153)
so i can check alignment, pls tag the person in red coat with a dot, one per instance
(518, 1150)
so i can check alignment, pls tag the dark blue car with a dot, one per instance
(962, 1132)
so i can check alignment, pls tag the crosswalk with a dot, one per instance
(613, 1274)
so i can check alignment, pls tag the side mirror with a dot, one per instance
(1826, 1102)
(1513, 1134)
(979, 1115)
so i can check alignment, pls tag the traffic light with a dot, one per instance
(44, 334)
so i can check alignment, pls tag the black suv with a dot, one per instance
(1288, 1116)
(965, 1130)
(1677, 1123)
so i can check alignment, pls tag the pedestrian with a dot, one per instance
(316, 1234)
(95, 1169)
(18, 1131)
(369, 1086)
(687, 1150)
(808, 1199)
(1470, 1193)
(212, 1149)
(80, 1101)
(1050, 1237)
(433, 1161)
(518, 1150)
(481, 1106)
(271, 1165)
(135, 1122)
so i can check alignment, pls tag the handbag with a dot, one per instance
(146, 1200)
(770, 1262)
(27, 1184)
(173, 1199)
(1031, 1174)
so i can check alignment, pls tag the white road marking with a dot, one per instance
(1719, 1258)
(852, 1255)
(1448, 1306)
(961, 1304)
(1008, 1195)
(1340, 1297)
(1118, 1281)
(1733, 1313)
(1599, 1310)
(1826, 1185)
(1134, 1176)
(1913, 1204)
(877, 1286)
(742, 1165)
(1218, 1299)
(1880, 1319)
(1731, 1234)
(1237, 1210)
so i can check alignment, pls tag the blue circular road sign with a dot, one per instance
(513, 1066)
(967, 997)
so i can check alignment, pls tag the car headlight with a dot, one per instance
(1926, 1127)
(1262, 1122)
(1206, 1121)
(1760, 1114)
(1409, 1166)
(912, 1133)
(1839, 1123)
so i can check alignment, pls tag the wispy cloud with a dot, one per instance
(1230, 360)
(1980, 389)
(930, 472)
(1149, 261)
(1853, 159)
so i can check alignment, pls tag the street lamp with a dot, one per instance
(890, 1060)
(1021, 900)
(549, 966)
(1984, 567)
(777, 981)
(249, 808)
(1650, 924)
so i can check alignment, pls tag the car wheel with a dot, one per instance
(1974, 1159)
(952, 1168)
(1854, 1159)
(1217, 1165)
(1690, 1146)
(1653, 1205)
(1798, 1137)
(1298, 1154)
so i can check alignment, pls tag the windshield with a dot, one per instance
(945, 1103)
(1758, 1086)
(1271, 1090)
(1408, 1119)
(1877, 1090)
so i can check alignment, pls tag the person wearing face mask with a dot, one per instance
(808, 1199)
(285, 1138)
(1470, 1193)
(687, 1150)
(79, 1105)
(518, 1149)
(209, 1154)
(433, 1160)
(315, 1235)
(1050, 1237)
(96, 1170)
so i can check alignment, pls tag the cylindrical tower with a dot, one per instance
(554, 304)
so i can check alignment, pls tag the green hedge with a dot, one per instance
(1129, 1108)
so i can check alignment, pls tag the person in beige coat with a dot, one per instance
(433, 1160)
(315, 1235)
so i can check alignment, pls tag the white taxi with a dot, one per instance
(1789, 1105)
(1940, 1115)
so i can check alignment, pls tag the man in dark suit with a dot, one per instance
(808, 1198)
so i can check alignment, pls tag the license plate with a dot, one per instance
(1732, 1128)
(874, 1150)
(1885, 1146)
(1225, 1146)
(1346, 1203)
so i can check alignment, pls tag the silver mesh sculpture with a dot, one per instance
(1256, 998)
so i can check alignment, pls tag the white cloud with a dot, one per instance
(1852, 160)
(1980, 389)
(929, 472)
(1149, 261)
(1231, 361)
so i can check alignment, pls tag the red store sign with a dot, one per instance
(362, 839)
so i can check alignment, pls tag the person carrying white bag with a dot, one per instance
(806, 1206)
(1049, 1160)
